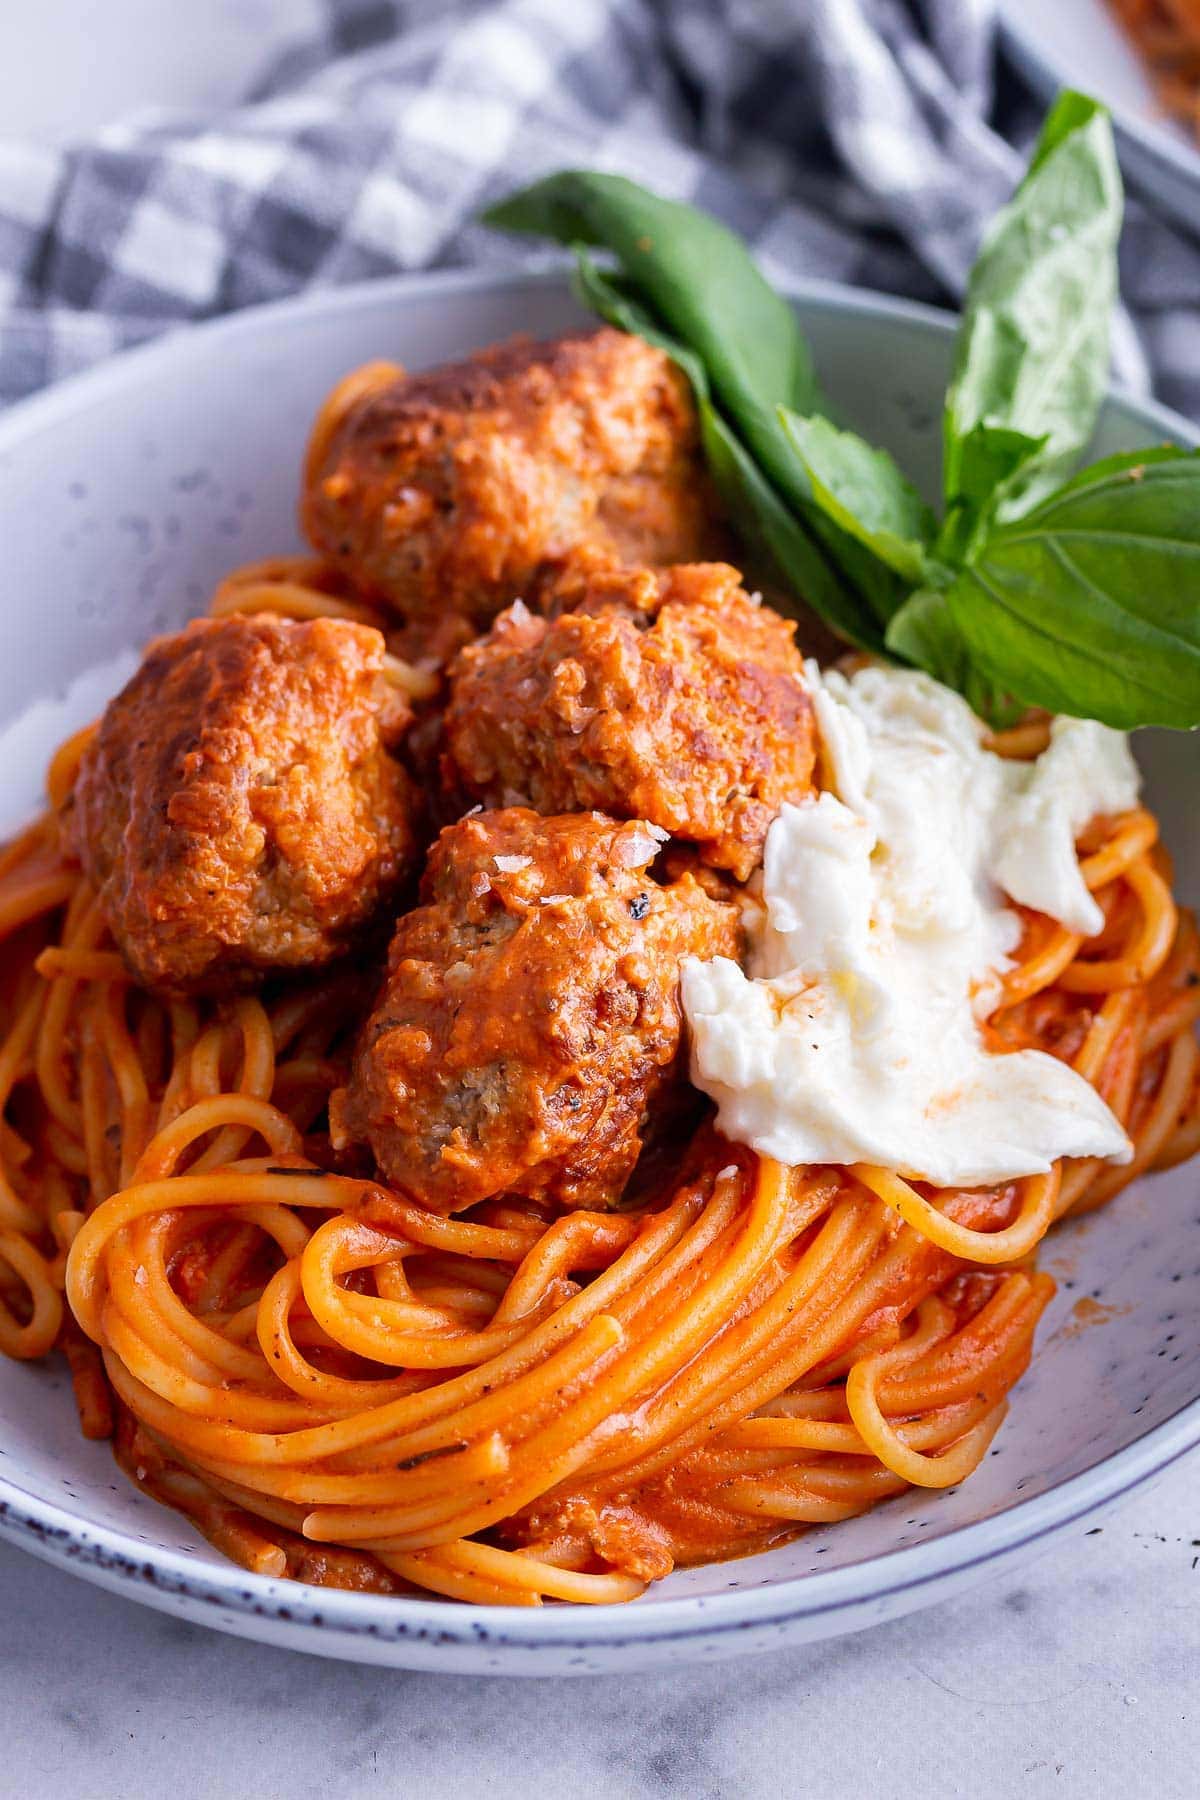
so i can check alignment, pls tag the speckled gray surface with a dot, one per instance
(1082, 1678)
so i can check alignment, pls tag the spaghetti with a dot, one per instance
(337, 1385)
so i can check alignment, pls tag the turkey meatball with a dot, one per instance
(668, 695)
(443, 493)
(238, 810)
(530, 1016)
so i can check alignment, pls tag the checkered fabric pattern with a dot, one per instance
(861, 140)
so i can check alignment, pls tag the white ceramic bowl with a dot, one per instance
(1079, 44)
(123, 496)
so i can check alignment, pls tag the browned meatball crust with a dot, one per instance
(531, 1015)
(665, 695)
(238, 810)
(445, 492)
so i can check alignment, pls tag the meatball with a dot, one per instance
(663, 695)
(238, 810)
(530, 1022)
(445, 492)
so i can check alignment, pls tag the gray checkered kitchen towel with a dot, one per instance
(861, 140)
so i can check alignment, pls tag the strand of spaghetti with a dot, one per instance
(572, 1242)
(987, 1247)
(158, 1161)
(235, 1445)
(520, 1572)
(816, 1434)
(787, 1434)
(64, 766)
(229, 1189)
(376, 1328)
(177, 1095)
(1183, 1142)
(292, 599)
(66, 1151)
(1173, 1094)
(341, 400)
(798, 1504)
(940, 1471)
(464, 1465)
(138, 1279)
(15, 1213)
(418, 684)
(81, 965)
(129, 1076)
(230, 1530)
(29, 900)
(38, 1333)
(1020, 743)
(757, 1356)
(332, 1393)
(1118, 1083)
(607, 1441)
(458, 1584)
(556, 1450)
(477, 1398)
(1179, 1014)
(971, 1359)
(1150, 948)
(256, 1077)
(50, 1054)
(1107, 1024)
(96, 1114)
(1135, 835)
(548, 1455)
(392, 1212)
(93, 1400)
(35, 845)
(864, 1342)
(228, 1268)
(1126, 1065)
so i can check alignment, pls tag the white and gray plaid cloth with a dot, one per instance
(861, 140)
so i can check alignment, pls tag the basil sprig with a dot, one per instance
(1079, 595)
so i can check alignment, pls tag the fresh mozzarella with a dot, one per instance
(880, 936)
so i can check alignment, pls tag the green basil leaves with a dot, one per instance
(1090, 604)
(1080, 596)
(1034, 344)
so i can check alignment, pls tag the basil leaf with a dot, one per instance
(751, 503)
(1033, 348)
(863, 492)
(1091, 603)
(698, 279)
(767, 523)
(924, 632)
(992, 457)
(602, 290)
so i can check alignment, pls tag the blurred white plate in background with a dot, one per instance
(1079, 44)
(70, 68)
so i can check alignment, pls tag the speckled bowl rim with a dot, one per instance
(118, 1559)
